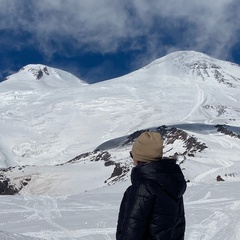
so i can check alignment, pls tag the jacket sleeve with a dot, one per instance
(121, 214)
(138, 207)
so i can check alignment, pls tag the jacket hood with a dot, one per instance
(165, 172)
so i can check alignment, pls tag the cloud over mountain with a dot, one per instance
(105, 26)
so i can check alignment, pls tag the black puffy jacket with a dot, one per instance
(152, 207)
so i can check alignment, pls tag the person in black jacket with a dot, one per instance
(152, 207)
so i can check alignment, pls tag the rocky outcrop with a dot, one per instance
(39, 73)
(225, 129)
(6, 187)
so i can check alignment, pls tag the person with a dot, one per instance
(152, 207)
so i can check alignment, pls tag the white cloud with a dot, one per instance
(103, 25)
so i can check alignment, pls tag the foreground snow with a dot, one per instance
(212, 213)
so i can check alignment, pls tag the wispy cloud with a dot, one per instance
(105, 26)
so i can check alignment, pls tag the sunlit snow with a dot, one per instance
(48, 117)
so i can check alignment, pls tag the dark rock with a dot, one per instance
(6, 188)
(39, 74)
(45, 70)
(219, 178)
(224, 129)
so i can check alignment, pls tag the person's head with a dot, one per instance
(147, 147)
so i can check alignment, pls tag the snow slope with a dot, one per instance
(58, 123)
(65, 145)
(212, 212)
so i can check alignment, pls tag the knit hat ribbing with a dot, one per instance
(148, 147)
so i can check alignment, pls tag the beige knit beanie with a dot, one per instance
(148, 147)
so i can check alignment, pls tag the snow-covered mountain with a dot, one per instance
(63, 137)
(58, 122)
(37, 76)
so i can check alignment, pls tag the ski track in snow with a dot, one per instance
(208, 228)
(227, 143)
(84, 234)
(213, 217)
(197, 107)
(93, 216)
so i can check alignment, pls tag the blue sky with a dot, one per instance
(102, 39)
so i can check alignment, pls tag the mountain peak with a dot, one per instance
(38, 75)
(38, 71)
(198, 65)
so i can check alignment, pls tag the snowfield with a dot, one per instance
(65, 146)
(212, 212)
